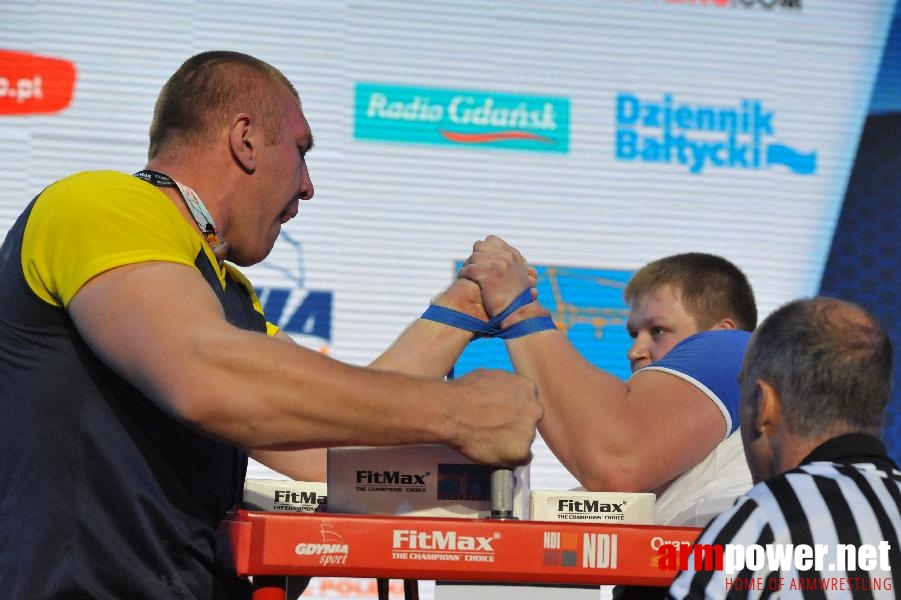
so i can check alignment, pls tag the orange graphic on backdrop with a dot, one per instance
(500, 136)
(32, 84)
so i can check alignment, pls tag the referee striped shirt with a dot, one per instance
(847, 491)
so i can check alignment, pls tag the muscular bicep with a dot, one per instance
(148, 322)
(679, 425)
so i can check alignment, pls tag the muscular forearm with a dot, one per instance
(612, 435)
(429, 348)
(306, 399)
(633, 436)
(584, 423)
(425, 348)
(259, 392)
(309, 464)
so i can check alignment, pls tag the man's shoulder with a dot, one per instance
(706, 352)
(86, 196)
(711, 361)
(99, 177)
(716, 338)
(88, 190)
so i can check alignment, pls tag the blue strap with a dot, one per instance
(455, 318)
(527, 326)
(525, 297)
(491, 327)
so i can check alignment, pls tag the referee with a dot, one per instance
(814, 386)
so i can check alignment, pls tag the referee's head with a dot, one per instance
(815, 369)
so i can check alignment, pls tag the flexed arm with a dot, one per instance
(430, 348)
(636, 435)
(425, 348)
(159, 325)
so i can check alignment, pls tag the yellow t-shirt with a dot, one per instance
(91, 222)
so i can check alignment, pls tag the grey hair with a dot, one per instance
(830, 362)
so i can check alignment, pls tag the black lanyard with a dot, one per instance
(198, 210)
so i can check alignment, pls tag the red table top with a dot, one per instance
(444, 549)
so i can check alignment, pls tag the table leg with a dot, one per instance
(269, 588)
(382, 585)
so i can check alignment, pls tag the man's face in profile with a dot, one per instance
(657, 322)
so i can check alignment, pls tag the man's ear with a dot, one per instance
(726, 323)
(769, 409)
(242, 141)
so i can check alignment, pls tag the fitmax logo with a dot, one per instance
(391, 478)
(411, 539)
(289, 497)
(588, 506)
(697, 136)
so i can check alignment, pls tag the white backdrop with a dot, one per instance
(393, 212)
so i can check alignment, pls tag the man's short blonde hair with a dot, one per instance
(710, 288)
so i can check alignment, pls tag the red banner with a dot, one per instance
(32, 84)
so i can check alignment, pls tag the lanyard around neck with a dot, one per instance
(198, 210)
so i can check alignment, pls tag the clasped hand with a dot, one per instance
(500, 273)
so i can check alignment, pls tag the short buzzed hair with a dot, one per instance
(709, 287)
(207, 90)
(830, 362)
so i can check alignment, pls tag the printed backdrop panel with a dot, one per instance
(593, 135)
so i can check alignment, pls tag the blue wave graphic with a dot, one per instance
(803, 164)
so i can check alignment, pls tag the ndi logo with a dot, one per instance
(669, 131)
(455, 117)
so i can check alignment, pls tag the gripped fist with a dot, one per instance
(464, 296)
(501, 272)
(497, 416)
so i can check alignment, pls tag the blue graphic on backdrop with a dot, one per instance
(297, 310)
(587, 304)
(865, 257)
(696, 135)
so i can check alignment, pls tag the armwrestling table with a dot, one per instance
(272, 547)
